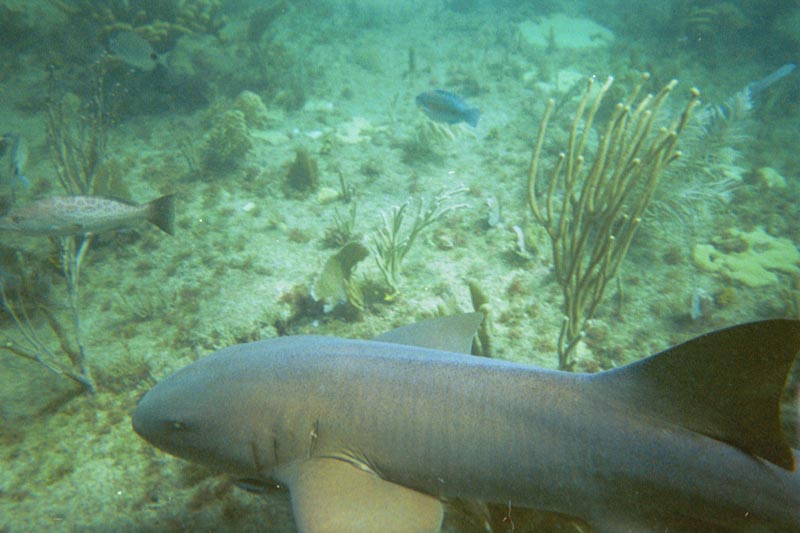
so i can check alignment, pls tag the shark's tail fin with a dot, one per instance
(726, 385)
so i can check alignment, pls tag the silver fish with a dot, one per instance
(17, 159)
(134, 50)
(75, 215)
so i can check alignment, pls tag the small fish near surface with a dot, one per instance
(59, 216)
(134, 50)
(444, 106)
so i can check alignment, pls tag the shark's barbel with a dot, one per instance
(373, 435)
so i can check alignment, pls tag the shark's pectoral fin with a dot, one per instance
(331, 495)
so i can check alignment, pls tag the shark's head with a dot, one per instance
(250, 408)
(207, 413)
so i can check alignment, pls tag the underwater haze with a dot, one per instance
(602, 180)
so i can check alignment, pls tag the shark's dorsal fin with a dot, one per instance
(452, 333)
(726, 385)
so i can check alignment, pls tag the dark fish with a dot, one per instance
(75, 215)
(443, 106)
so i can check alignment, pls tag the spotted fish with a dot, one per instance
(74, 215)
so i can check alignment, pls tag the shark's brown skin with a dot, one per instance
(372, 434)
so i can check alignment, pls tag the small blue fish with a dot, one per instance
(443, 106)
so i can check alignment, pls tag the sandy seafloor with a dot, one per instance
(244, 255)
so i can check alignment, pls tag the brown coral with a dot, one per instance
(715, 19)
(161, 23)
(302, 174)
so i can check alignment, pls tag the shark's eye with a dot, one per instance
(175, 425)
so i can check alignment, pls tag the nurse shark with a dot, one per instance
(375, 435)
